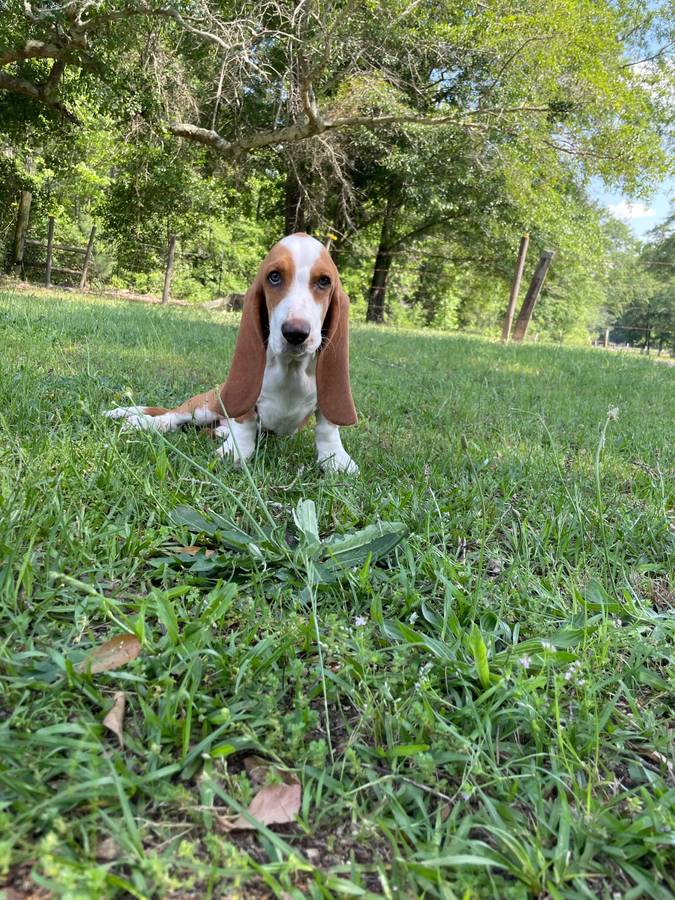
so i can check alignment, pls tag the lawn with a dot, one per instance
(483, 710)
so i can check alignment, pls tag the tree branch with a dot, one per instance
(33, 50)
(315, 125)
(55, 73)
(27, 89)
(645, 59)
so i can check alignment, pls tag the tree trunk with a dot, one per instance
(421, 296)
(295, 217)
(383, 260)
(20, 233)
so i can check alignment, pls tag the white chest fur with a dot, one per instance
(288, 392)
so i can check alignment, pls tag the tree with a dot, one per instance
(649, 318)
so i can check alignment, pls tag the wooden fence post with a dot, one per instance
(168, 275)
(20, 232)
(515, 287)
(87, 257)
(606, 339)
(532, 295)
(50, 240)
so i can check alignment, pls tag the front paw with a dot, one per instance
(228, 450)
(123, 412)
(339, 462)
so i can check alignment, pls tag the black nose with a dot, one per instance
(296, 331)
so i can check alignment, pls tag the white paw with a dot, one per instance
(340, 461)
(123, 412)
(140, 422)
(228, 450)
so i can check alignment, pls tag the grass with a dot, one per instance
(486, 711)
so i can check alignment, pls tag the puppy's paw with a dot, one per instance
(124, 412)
(340, 461)
(140, 422)
(228, 450)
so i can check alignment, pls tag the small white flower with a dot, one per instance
(525, 661)
(413, 618)
(360, 621)
(547, 645)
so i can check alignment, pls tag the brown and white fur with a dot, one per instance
(291, 359)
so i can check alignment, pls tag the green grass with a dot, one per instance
(484, 712)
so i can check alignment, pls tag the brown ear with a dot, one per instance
(240, 392)
(334, 391)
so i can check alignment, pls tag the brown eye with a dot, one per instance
(324, 282)
(274, 278)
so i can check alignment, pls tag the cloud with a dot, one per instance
(627, 211)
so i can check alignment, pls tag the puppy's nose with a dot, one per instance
(296, 331)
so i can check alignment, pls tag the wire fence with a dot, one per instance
(114, 261)
(144, 267)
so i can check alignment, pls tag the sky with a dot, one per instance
(640, 215)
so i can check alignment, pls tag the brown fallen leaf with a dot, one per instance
(114, 720)
(116, 652)
(193, 550)
(274, 804)
(108, 850)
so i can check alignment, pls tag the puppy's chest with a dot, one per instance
(288, 396)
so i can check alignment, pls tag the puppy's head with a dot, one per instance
(296, 306)
(298, 280)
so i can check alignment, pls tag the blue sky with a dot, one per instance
(640, 215)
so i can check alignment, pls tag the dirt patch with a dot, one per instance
(20, 886)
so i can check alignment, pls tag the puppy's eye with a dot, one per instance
(324, 282)
(274, 278)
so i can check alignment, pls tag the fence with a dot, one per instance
(24, 262)
(157, 254)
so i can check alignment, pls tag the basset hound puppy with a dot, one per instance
(291, 359)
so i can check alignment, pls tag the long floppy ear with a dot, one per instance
(240, 392)
(334, 391)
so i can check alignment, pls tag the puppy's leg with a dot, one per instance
(202, 410)
(241, 434)
(330, 453)
(123, 412)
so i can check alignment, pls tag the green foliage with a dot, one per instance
(529, 102)
(648, 316)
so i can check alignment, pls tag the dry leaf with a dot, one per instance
(275, 804)
(107, 850)
(115, 718)
(116, 652)
(193, 550)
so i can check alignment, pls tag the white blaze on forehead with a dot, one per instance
(305, 251)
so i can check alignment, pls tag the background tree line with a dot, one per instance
(426, 136)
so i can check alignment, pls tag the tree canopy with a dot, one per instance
(427, 135)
